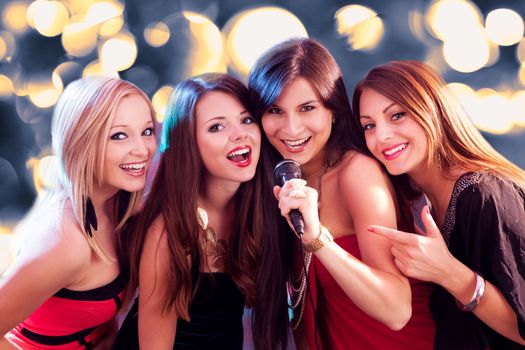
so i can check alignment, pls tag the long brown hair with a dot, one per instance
(452, 138)
(173, 196)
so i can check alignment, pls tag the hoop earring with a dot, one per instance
(90, 217)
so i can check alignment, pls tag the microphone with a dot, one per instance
(285, 170)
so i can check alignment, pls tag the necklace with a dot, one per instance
(211, 245)
(210, 240)
(298, 294)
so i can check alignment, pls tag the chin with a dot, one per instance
(133, 187)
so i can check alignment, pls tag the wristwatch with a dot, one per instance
(317, 243)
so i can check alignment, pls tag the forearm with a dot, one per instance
(382, 295)
(493, 309)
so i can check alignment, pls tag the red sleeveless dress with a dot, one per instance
(69, 319)
(342, 325)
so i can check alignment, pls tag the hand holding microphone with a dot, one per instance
(295, 194)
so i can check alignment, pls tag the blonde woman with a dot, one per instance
(416, 128)
(66, 281)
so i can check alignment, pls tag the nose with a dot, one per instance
(383, 132)
(292, 124)
(238, 133)
(139, 147)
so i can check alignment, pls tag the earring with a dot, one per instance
(90, 217)
(333, 120)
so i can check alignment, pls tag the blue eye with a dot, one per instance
(118, 136)
(397, 116)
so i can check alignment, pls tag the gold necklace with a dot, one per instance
(210, 240)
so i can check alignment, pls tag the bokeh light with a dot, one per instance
(492, 113)
(249, 34)
(44, 92)
(468, 50)
(14, 16)
(119, 52)
(79, 39)
(6, 86)
(48, 17)
(504, 27)
(45, 173)
(448, 18)
(160, 101)
(207, 51)
(96, 68)
(518, 108)
(361, 26)
(156, 34)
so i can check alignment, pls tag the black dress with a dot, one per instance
(484, 229)
(216, 317)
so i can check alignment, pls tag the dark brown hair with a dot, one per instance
(173, 196)
(292, 59)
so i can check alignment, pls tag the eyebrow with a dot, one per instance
(384, 111)
(125, 125)
(221, 117)
(299, 105)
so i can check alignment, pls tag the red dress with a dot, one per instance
(69, 319)
(342, 325)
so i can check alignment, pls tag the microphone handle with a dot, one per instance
(297, 221)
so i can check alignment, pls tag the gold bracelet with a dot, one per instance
(320, 241)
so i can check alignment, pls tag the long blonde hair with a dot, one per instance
(452, 139)
(81, 123)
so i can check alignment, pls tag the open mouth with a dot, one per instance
(296, 145)
(241, 156)
(135, 169)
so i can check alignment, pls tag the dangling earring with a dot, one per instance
(90, 217)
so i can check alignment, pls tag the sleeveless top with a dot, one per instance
(68, 320)
(216, 312)
(342, 325)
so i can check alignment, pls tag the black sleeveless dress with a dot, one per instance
(216, 317)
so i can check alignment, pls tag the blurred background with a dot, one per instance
(478, 46)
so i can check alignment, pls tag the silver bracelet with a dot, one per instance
(478, 293)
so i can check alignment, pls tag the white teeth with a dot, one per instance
(395, 149)
(135, 166)
(296, 143)
(238, 152)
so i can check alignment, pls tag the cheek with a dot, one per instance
(269, 126)
(370, 142)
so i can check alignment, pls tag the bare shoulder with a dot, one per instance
(357, 169)
(155, 236)
(58, 242)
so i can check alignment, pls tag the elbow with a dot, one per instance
(399, 319)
